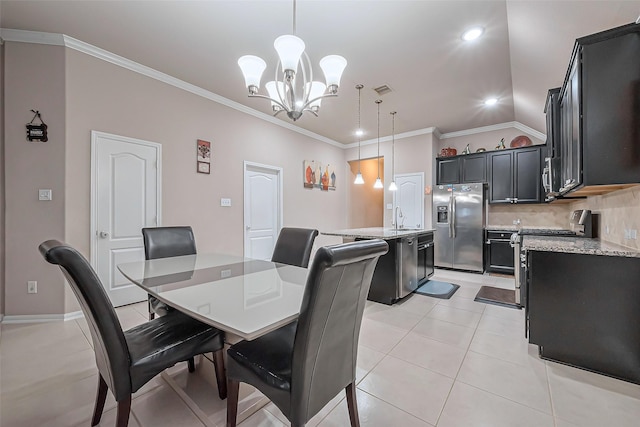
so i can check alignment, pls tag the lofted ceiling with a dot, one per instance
(415, 47)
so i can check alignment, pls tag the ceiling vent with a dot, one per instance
(382, 90)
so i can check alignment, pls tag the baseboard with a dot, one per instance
(40, 318)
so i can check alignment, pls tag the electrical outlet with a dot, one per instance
(225, 202)
(225, 273)
(32, 287)
(45, 194)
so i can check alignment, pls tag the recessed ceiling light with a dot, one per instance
(359, 132)
(472, 33)
(490, 101)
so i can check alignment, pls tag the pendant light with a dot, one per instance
(359, 180)
(378, 183)
(392, 186)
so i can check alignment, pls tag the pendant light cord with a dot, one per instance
(294, 17)
(359, 130)
(393, 146)
(379, 101)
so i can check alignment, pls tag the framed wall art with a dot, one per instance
(203, 156)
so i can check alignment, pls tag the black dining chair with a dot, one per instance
(127, 360)
(302, 366)
(164, 242)
(294, 246)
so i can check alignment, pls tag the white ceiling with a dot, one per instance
(412, 46)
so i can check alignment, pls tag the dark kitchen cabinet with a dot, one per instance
(473, 168)
(515, 176)
(583, 310)
(599, 112)
(463, 169)
(448, 170)
(552, 115)
(425, 257)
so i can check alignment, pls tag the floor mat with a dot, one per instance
(497, 296)
(436, 289)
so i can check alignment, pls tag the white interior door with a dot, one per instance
(262, 209)
(409, 197)
(125, 197)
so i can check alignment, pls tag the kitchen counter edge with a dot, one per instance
(376, 233)
(577, 245)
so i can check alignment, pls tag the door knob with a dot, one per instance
(103, 234)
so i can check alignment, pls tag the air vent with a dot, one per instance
(384, 89)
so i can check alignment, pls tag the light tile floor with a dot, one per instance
(422, 362)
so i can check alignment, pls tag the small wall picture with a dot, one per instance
(203, 156)
(311, 174)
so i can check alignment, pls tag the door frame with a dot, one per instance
(421, 175)
(279, 173)
(95, 135)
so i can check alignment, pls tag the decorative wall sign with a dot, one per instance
(316, 176)
(37, 132)
(204, 156)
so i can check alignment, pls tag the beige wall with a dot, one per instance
(101, 96)
(487, 140)
(412, 155)
(366, 204)
(34, 79)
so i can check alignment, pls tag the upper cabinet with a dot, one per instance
(599, 113)
(467, 168)
(515, 176)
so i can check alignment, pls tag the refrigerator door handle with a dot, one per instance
(449, 219)
(453, 217)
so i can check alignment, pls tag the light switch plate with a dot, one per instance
(44, 194)
(225, 202)
(389, 206)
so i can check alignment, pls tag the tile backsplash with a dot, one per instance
(619, 211)
(552, 216)
(619, 215)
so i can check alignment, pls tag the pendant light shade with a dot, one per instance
(392, 186)
(359, 180)
(378, 183)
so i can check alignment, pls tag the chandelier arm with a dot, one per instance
(328, 95)
(257, 95)
(282, 96)
(305, 87)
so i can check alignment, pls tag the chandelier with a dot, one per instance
(295, 91)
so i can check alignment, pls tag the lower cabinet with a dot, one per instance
(584, 311)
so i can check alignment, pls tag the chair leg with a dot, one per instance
(101, 396)
(221, 376)
(124, 408)
(192, 364)
(152, 315)
(233, 387)
(352, 403)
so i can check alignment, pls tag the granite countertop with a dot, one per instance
(376, 233)
(576, 245)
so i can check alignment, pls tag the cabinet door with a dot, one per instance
(528, 175)
(500, 177)
(474, 168)
(448, 171)
(570, 127)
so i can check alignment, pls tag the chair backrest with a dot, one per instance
(163, 242)
(109, 344)
(294, 246)
(326, 342)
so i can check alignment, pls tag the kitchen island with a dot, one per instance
(407, 265)
(583, 305)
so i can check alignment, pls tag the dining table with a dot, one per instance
(246, 298)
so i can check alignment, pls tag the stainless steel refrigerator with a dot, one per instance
(459, 220)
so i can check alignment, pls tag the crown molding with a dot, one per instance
(498, 126)
(39, 318)
(400, 136)
(89, 49)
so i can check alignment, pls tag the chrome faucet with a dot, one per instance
(398, 214)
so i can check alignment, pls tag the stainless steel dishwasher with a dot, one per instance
(407, 262)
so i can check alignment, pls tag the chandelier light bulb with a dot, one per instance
(289, 50)
(332, 67)
(252, 68)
